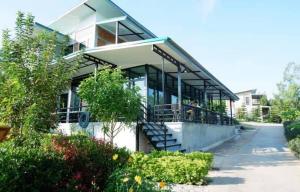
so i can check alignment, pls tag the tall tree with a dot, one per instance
(34, 73)
(110, 101)
(287, 100)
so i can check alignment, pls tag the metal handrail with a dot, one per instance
(190, 113)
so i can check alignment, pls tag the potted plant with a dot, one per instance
(4, 130)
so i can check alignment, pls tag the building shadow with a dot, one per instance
(226, 180)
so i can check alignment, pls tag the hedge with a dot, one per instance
(41, 162)
(294, 145)
(57, 163)
(174, 167)
(292, 130)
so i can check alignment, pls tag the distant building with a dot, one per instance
(250, 101)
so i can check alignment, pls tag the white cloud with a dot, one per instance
(206, 7)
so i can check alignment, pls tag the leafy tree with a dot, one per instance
(264, 101)
(110, 101)
(33, 75)
(287, 100)
(256, 114)
(242, 112)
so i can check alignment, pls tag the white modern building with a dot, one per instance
(168, 76)
(250, 100)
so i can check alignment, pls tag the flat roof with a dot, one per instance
(132, 54)
(106, 8)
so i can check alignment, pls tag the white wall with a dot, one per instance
(196, 136)
(126, 138)
(192, 136)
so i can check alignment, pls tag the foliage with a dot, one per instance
(292, 130)
(264, 101)
(33, 75)
(220, 107)
(132, 179)
(287, 101)
(110, 101)
(57, 163)
(173, 167)
(275, 114)
(255, 114)
(242, 112)
(294, 145)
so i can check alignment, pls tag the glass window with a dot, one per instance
(247, 101)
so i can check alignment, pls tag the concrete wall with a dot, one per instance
(196, 136)
(192, 136)
(126, 138)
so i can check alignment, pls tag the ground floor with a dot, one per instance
(257, 160)
(188, 135)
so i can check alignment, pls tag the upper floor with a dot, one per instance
(248, 98)
(96, 23)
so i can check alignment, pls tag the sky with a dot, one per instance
(245, 44)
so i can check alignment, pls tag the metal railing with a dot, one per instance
(152, 126)
(160, 113)
(188, 113)
(70, 115)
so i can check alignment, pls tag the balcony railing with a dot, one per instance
(160, 113)
(172, 113)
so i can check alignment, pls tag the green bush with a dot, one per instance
(173, 167)
(58, 163)
(292, 130)
(25, 168)
(132, 179)
(294, 145)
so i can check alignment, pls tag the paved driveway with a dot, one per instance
(256, 161)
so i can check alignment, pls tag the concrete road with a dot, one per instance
(256, 161)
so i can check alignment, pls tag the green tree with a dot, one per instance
(256, 114)
(110, 101)
(264, 101)
(33, 75)
(242, 112)
(287, 100)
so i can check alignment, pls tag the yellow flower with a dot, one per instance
(125, 180)
(162, 185)
(129, 159)
(115, 157)
(138, 179)
(130, 190)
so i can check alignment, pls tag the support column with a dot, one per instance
(220, 103)
(231, 119)
(146, 84)
(205, 102)
(163, 80)
(205, 95)
(69, 105)
(179, 92)
(117, 32)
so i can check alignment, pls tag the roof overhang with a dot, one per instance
(109, 11)
(132, 54)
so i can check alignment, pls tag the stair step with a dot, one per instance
(161, 145)
(154, 130)
(158, 135)
(162, 141)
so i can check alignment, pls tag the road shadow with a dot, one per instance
(226, 180)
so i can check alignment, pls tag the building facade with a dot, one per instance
(178, 91)
(250, 102)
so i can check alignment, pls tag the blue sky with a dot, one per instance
(245, 44)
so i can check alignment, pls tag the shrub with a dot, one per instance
(292, 130)
(132, 179)
(27, 168)
(58, 163)
(294, 145)
(173, 167)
